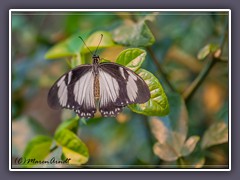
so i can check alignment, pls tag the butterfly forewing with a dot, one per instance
(120, 86)
(74, 90)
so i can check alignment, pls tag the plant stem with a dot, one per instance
(188, 93)
(223, 60)
(181, 162)
(155, 60)
(225, 36)
(160, 69)
(53, 148)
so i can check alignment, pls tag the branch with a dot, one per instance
(222, 59)
(188, 93)
(159, 67)
(155, 60)
(53, 148)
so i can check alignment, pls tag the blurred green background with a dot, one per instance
(127, 140)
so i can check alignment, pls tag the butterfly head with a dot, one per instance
(96, 59)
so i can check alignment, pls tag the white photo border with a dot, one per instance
(117, 10)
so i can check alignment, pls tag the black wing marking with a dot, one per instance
(120, 86)
(74, 90)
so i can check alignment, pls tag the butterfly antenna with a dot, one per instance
(85, 44)
(98, 44)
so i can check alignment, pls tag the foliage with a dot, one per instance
(38, 147)
(169, 130)
(133, 34)
(206, 50)
(72, 146)
(217, 133)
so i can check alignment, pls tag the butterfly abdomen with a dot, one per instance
(96, 87)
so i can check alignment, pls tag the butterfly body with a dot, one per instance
(96, 87)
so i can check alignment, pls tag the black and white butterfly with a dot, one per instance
(105, 86)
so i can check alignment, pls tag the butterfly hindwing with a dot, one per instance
(74, 90)
(120, 86)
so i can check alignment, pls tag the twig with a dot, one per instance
(155, 60)
(53, 148)
(161, 71)
(222, 59)
(188, 93)
(225, 37)
(181, 162)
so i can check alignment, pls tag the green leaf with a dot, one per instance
(67, 48)
(21, 138)
(171, 132)
(158, 103)
(105, 60)
(37, 149)
(94, 39)
(72, 46)
(137, 35)
(217, 133)
(72, 147)
(206, 50)
(131, 58)
(76, 61)
(69, 124)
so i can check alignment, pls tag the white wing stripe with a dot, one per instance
(109, 88)
(132, 75)
(85, 85)
(132, 87)
(83, 90)
(60, 81)
(122, 72)
(62, 92)
(69, 77)
(108, 81)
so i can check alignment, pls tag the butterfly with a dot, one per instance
(107, 87)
